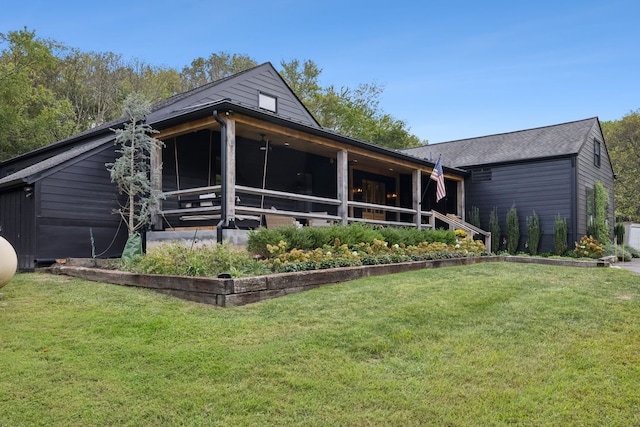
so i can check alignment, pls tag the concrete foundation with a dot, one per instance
(196, 237)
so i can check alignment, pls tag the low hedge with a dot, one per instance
(310, 238)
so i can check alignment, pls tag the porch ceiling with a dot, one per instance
(296, 140)
(253, 129)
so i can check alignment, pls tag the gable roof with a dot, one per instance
(549, 141)
(240, 89)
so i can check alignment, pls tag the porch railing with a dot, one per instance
(213, 208)
(456, 223)
(208, 198)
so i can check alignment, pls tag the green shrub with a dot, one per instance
(259, 239)
(513, 230)
(310, 238)
(494, 228)
(534, 233)
(601, 199)
(560, 235)
(618, 251)
(474, 216)
(413, 236)
(207, 260)
(633, 251)
(353, 234)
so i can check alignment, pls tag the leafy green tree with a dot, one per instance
(30, 113)
(49, 92)
(303, 80)
(152, 82)
(215, 67)
(623, 142)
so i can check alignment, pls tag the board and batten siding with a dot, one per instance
(543, 186)
(587, 175)
(74, 202)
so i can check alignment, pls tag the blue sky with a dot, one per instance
(450, 70)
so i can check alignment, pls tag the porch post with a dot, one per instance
(230, 175)
(156, 186)
(461, 202)
(417, 194)
(343, 185)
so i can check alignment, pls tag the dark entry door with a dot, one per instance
(17, 224)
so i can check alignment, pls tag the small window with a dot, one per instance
(596, 152)
(267, 102)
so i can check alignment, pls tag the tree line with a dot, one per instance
(49, 91)
(622, 139)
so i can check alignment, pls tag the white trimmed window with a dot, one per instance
(267, 102)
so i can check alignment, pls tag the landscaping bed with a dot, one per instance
(225, 292)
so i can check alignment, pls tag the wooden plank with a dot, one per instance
(192, 126)
(287, 196)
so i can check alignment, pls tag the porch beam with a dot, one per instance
(343, 185)
(193, 126)
(291, 133)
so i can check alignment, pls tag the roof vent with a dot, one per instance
(482, 174)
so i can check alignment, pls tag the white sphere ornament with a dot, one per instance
(8, 262)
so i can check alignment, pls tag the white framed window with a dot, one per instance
(267, 102)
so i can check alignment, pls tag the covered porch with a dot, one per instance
(231, 171)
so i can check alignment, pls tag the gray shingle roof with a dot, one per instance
(23, 175)
(549, 141)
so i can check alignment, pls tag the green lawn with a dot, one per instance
(488, 344)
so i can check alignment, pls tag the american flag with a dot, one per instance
(438, 177)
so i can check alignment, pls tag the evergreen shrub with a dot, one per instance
(534, 233)
(513, 230)
(494, 228)
(560, 235)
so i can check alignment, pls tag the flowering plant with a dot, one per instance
(588, 247)
(461, 234)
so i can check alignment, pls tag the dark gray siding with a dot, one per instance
(268, 81)
(74, 202)
(588, 173)
(17, 224)
(543, 186)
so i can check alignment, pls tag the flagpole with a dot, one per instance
(424, 193)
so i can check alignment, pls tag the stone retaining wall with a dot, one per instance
(246, 290)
